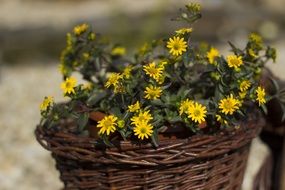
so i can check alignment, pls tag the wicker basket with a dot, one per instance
(200, 162)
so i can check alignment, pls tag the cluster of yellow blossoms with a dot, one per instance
(194, 110)
(78, 30)
(115, 80)
(141, 121)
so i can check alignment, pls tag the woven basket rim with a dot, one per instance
(169, 151)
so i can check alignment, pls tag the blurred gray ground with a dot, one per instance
(32, 34)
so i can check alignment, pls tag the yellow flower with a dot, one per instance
(48, 101)
(256, 38)
(252, 53)
(152, 92)
(197, 112)
(118, 51)
(86, 56)
(162, 64)
(176, 45)
(234, 61)
(143, 116)
(88, 86)
(80, 29)
(134, 107)
(212, 54)
(153, 71)
(229, 105)
(62, 69)
(161, 79)
(113, 79)
(221, 120)
(127, 71)
(119, 88)
(68, 85)
(143, 130)
(121, 124)
(183, 31)
(242, 94)
(244, 85)
(107, 124)
(184, 106)
(260, 92)
(69, 41)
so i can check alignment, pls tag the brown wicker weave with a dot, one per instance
(200, 162)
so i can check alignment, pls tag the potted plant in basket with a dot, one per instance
(175, 116)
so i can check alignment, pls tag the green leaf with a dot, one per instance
(154, 137)
(116, 111)
(275, 84)
(241, 113)
(175, 119)
(123, 134)
(93, 99)
(264, 109)
(106, 141)
(157, 102)
(218, 94)
(82, 121)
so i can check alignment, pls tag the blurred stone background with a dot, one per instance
(32, 34)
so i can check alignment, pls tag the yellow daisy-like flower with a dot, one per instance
(68, 85)
(185, 105)
(118, 51)
(176, 45)
(113, 80)
(143, 130)
(48, 101)
(143, 116)
(234, 61)
(127, 71)
(134, 107)
(244, 85)
(197, 112)
(153, 71)
(78, 30)
(229, 105)
(212, 54)
(221, 120)
(107, 125)
(183, 31)
(152, 92)
(242, 95)
(260, 92)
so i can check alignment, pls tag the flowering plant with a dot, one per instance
(169, 83)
